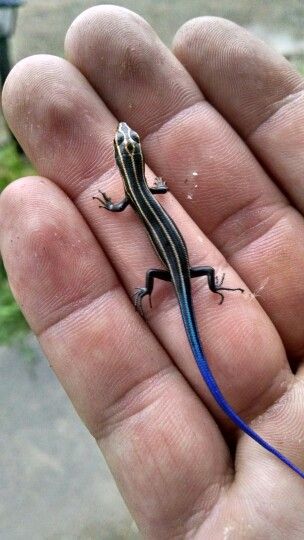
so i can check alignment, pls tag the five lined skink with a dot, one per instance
(172, 251)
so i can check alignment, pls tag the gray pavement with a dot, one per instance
(54, 483)
(42, 25)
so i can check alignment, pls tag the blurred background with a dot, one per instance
(53, 482)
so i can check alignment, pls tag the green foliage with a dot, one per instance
(13, 326)
(299, 64)
(12, 322)
(12, 165)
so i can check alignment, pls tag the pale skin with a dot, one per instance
(221, 120)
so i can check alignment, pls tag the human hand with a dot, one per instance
(235, 164)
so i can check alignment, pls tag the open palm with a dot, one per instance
(221, 120)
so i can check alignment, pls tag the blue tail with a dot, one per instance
(197, 350)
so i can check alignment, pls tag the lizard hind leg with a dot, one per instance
(214, 283)
(141, 292)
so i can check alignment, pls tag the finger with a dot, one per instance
(257, 90)
(143, 414)
(65, 131)
(260, 382)
(208, 167)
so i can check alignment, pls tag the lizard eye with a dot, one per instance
(135, 136)
(120, 138)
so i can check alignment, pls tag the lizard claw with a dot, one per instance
(160, 183)
(140, 292)
(105, 201)
(219, 282)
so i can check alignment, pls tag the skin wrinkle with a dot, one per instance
(289, 166)
(269, 215)
(75, 311)
(166, 516)
(280, 384)
(132, 403)
(277, 107)
(276, 519)
(279, 410)
(186, 526)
